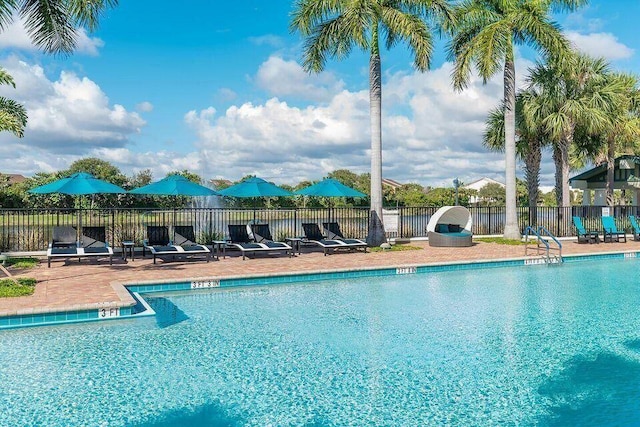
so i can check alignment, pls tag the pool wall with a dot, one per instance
(141, 308)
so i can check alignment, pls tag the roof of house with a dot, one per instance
(217, 183)
(391, 183)
(14, 178)
(479, 183)
(599, 172)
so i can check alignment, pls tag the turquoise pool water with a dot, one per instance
(509, 346)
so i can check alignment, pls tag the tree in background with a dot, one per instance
(485, 35)
(446, 196)
(333, 28)
(530, 139)
(573, 96)
(622, 130)
(13, 116)
(53, 24)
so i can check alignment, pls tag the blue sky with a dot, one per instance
(217, 88)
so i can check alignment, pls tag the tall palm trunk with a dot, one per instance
(565, 144)
(611, 162)
(376, 235)
(511, 229)
(532, 175)
(557, 160)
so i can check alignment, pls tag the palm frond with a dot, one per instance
(413, 30)
(13, 117)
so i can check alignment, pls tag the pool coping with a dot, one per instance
(131, 300)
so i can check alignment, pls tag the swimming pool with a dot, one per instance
(531, 345)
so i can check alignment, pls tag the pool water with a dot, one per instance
(508, 346)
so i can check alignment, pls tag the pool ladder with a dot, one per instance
(546, 242)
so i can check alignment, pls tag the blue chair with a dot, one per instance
(611, 231)
(584, 235)
(635, 228)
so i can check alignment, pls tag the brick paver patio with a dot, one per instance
(87, 285)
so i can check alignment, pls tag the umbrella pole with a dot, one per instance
(79, 222)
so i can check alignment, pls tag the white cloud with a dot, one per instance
(604, 45)
(430, 133)
(270, 40)
(283, 78)
(70, 115)
(15, 37)
(144, 107)
(225, 94)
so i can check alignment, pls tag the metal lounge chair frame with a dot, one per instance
(635, 228)
(186, 239)
(92, 244)
(313, 235)
(239, 238)
(334, 233)
(611, 231)
(584, 235)
(158, 242)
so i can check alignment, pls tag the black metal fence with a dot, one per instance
(31, 229)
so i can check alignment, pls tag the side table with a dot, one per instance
(128, 245)
(294, 242)
(219, 246)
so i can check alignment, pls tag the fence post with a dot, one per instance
(113, 228)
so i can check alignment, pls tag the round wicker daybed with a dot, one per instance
(450, 226)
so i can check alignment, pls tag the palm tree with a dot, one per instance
(334, 27)
(530, 140)
(485, 35)
(575, 97)
(53, 24)
(623, 127)
(13, 116)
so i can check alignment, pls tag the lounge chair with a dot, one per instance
(611, 231)
(450, 226)
(239, 238)
(185, 238)
(584, 235)
(158, 242)
(262, 234)
(635, 228)
(313, 235)
(334, 233)
(92, 244)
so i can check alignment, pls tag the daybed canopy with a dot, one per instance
(458, 215)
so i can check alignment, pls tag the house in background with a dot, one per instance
(593, 183)
(14, 178)
(478, 185)
(391, 183)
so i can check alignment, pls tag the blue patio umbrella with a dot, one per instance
(329, 187)
(175, 185)
(255, 187)
(79, 184)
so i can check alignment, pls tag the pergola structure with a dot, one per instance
(626, 177)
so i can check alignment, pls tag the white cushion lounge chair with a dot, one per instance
(313, 235)
(159, 244)
(92, 244)
(334, 233)
(239, 238)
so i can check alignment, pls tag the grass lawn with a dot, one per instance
(499, 240)
(21, 263)
(9, 288)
